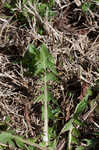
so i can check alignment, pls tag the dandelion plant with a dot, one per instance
(44, 67)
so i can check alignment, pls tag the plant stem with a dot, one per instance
(45, 112)
(29, 143)
(70, 137)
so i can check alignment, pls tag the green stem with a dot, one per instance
(45, 112)
(70, 137)
(25, 141)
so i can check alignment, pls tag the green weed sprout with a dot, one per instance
(74, 122)
(45, 69)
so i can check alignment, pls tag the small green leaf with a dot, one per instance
(32, 49)
(78, 122)
(52, 68)
(70, 138)
(89, 92)
(56, 112)
(50, 76)
(74, 140)
(40, 30)
(20, 144)
(90, 143)
(8, 6)
(50, 113)
(86, 6)
(44, 56)
(67, 126)
(25, 12)
(7, 138)
(79, 148)
(75, 132)
(82, 105)
(39, 98)
(52, 145)
(42, 9)
(52, 133)
(39, 68)
(31, 148)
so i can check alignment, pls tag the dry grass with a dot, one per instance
(72, 39)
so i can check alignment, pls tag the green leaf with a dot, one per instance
(39, 98)
(50, 77)
(52, 145)
(86, 6)
(82, 105)
(42, 108)
(44, 56)
(74, 140)
(42, 9)
(25, 12)
(67, 126)
(40, 31)
(70, 138)
(8, 6)
(32, 49)
(75, 132)
(31, 148)
(52, 67)
(77, 122)
(50, 113)
(49, 96)
(89, 92)
(56, 112)
(46, 59)
(51, 133)
(44, 62)
(91, 143)
(39, 68)
(7, 138)
(20, 144)
(79, 148)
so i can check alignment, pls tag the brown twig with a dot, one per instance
(26, 115)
